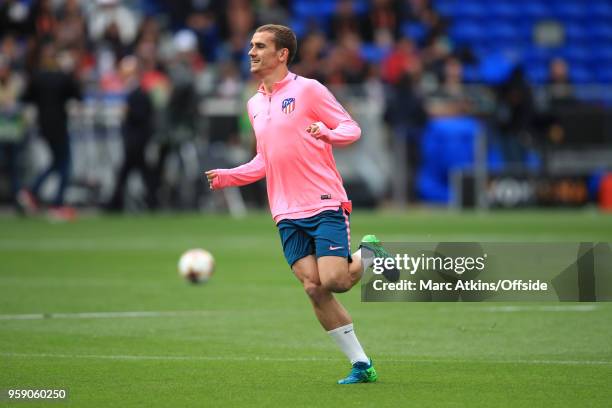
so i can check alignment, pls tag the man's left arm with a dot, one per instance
(335, 125)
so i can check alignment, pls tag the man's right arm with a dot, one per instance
(238, 176)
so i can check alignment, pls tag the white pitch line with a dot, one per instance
(543, 308)
(105, 315)
(119, 244)
(294, 359)
(163, 358)
(178, 313)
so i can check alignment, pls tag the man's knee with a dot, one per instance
(311, 289)
(338, 282)
(315, 291)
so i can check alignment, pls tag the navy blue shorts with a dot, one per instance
(325, 234)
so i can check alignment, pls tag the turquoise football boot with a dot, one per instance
(360, 373)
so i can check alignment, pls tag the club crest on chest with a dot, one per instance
(288, 105)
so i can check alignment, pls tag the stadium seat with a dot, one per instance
(504, 10)
(538, 55)
(495, 68)
(468, 32)
(537, 73)
(415, 31)
(298, 26)
(604, 74)
(535, 10)
(575, 32)
(525, 27)
(471, 9)
(446, 8)
(601, 53)
(504, 31)
(599, 10)
(569, 10)
(447, 144)
(306, 9)
(576, 53)
(581, 74)
(599, 31)
(372, 53)
(481, 50)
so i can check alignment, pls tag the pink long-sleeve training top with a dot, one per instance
(300, 170)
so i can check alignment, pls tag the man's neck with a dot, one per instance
(276, 76)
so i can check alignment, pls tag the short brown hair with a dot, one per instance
(284, 37)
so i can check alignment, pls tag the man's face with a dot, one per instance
(265, 58)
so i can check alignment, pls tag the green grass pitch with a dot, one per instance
(249, 338)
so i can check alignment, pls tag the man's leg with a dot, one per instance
(61, 158)
(298, 243)
(329, 311)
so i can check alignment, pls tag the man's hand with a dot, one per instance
(211, 175)
(314, 130)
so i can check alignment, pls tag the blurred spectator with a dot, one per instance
(110, 81)
(43, 19)
(451, 98)
(560, 88)
(154, 80)
(382, 24)
(11, 52)
(560, 98)
(49, 89)
(179, 12)
(14, 18)
(185, 63)
(405, 113)
(344, 64)
(110, 21)
(148, 32)
(182, 109)
(415, 10)
(436, 45)
(405, 109)
(271, 12)
(71, 31)
(145, 46)
(137, 130)
(310, 56)
(344, 21)
(204, 25)
(238, 22)
(240, 18)
(402, 60)
(374, 88)
(234, 51)
(12, 127)
(435, 25)
(514, 116)
(229, 82)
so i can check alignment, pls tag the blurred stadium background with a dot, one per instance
(462, 103)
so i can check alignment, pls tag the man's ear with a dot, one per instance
(284, 54)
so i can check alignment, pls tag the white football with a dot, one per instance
(196, 265)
